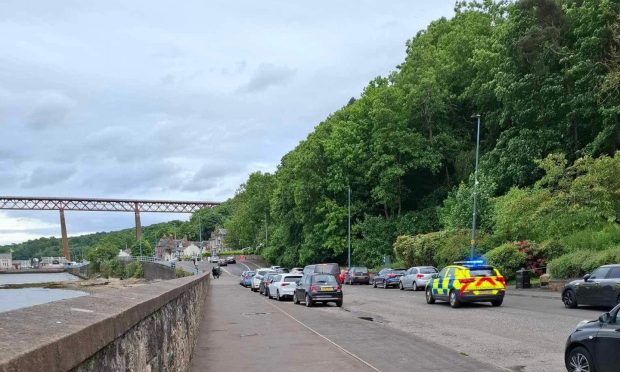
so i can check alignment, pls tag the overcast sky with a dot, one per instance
(175, 100)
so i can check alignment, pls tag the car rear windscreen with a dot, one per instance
(398, 272)
(324, 279)
(427, 270)
(361, 270)
(261, 272)
(291, 279)
(481, 272)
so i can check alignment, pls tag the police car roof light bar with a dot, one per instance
(470, 263)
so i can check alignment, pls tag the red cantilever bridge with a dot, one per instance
(100, 205)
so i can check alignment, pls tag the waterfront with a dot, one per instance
(11, 299)
(31, 278)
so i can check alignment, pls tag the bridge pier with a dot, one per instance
(65, 239)
(138, 224)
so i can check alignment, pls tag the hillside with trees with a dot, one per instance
(544, 75)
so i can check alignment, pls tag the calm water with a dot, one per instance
(11, 299)
(36, 278)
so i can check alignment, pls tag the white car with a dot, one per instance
(258, 277)
(297, 270)
(274, 268)
(214, 259)
(283, 285)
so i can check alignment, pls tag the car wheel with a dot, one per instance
(415, 286)
(497, 303)
(454, 301)
(429, 296)
(295, 300)
(374, 284)
(579, 360)
(278, 296)
(400, 286)
(384, 285)
(308, 301)
(339, 303)
(569, 298)
(267, 293)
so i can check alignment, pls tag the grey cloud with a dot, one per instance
(49, 174)
(267, 75)
(49, 109)
(210, 175)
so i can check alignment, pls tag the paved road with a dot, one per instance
(524, 334)
(245, 331)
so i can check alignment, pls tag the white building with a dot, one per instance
(22, 264)
(191, 250)
(6, 261)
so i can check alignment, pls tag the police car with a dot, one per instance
(467, 281)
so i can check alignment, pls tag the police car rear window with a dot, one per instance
(481, 272)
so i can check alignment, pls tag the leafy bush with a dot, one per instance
(134, 269)
(439, 248)
(507, 258)
(551, 249)
(578, 263)
(112, 268)
(103, 252)
(591, 239)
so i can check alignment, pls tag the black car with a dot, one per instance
(601, 288)
(388, 278)
(594, 345)
(263, 287)
(313, 288)
(357, 275)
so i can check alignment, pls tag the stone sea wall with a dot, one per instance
(147, 328)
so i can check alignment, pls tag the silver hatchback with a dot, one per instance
(416, 277)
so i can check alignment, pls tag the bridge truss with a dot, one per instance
(100, 205)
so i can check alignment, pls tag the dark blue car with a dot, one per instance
(388, 278)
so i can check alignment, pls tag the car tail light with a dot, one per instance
(314, 288)
(467, 280)
(420, 276)
(502, 280)
(391, 275)
(284, 284)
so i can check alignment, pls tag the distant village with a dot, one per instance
(167, 249)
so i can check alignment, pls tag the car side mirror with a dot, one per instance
(604, 318)
(586, 277)
(435, 276)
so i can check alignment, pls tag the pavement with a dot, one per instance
(244, 331)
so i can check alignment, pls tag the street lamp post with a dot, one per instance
(349, 230)
(473, 223)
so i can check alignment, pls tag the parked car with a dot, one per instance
(297, 270)
(246, 278)
(357, 274)
(416, 277)
(282, 286)
(274, 268)
(601, 288)
(258, 277)
(387, 278)
(282, 270)
(467, 281)
(594, 344)
(214, 259)
(264, 284)
(231, 260)
(325, 268)
(314, 288)
(223, 262)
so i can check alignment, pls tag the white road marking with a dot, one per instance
(325, 338)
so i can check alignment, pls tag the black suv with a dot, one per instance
(601, 288)
(594, 344)
(313, 288)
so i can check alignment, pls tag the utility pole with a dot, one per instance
(349, 230)
(473, 223)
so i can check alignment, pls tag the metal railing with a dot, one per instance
(156, 260)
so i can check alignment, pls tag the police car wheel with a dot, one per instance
(497, 302)
(454, 301)
(429, 296)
